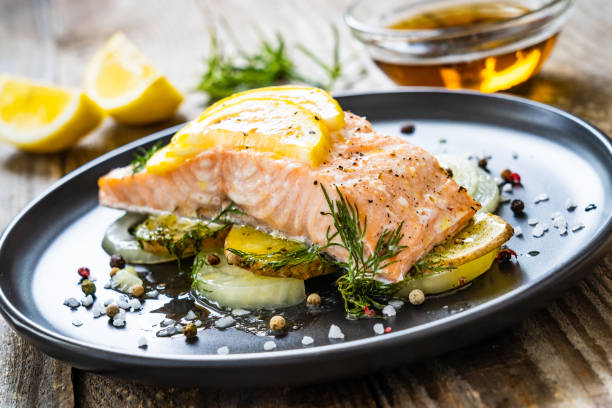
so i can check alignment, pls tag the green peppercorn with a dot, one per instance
(88, 287)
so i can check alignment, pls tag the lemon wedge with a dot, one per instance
(268, 125)
(313, 99)
(43, 118)
(121, 80)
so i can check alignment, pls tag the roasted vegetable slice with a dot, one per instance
(264, 254)
(460, 258)
(178, 236)
(230, 286)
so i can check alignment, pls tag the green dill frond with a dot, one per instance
(142, 156)
(231, 208)
(358, 284)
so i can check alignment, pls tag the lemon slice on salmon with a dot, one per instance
(267, 125)
(44, 118)
(313, 99)
(121, 80)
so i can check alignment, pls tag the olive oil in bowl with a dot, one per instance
(485, 46)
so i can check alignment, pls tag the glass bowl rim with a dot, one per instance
(543, 14)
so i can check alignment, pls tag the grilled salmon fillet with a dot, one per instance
(389, 180)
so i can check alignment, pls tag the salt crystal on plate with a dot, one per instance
(123, 304)
(197, 323)
(152, 294)
(503, 198)
(335, 332)
(396, 303)
(98, 310)
(135, 304)
(72, 302)
(225, 322)
(532, 221)
(570, 205)
(518, 231)
(118, 322)
(240, 312)
(269, 345)
(507, 188)
(77, 323)
(142, 342)
(167, 322)
(538, 231)
(556, 214)
(499, 181)
(307, 340)
(107, 285)
(87, 301)
(191, 315)
(388, 311)
(560, 222)
(223, 350)
(540, 197)
(109, 301)
(379, 328)
(578, 227)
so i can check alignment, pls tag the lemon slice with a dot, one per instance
(267, 125)
(121, 80)
(313, 99)
(460, 258)
(43, 118)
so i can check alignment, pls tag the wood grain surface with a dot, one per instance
(560, 356)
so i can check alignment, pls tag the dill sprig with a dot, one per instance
(142, 156)
(357, 285)
(431, 262)
(270, 65)
(231, 208)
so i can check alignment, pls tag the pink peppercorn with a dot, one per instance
(388, 329)
(83, 272)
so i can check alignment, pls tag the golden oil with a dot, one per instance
(487, 74)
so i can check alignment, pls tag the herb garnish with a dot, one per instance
(226, 75)
(142, 156)
(357, 285)
(287, 258)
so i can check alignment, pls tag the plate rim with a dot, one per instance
(571, 268)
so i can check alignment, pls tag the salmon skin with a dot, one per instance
(387, 178)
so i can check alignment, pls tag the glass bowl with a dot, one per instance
(486, 56)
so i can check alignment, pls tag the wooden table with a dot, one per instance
(560, 356)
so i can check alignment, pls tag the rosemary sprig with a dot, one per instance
(142, 156)
(357, 285)
(271, 64)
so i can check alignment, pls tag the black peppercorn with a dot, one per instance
(482, 163)
(213, 259)
(407, 129)
(117, 261)
(504, 256)
(517, 207)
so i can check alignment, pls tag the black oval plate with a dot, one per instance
(554, 152)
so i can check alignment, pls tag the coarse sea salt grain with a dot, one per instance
(507, 188)
(540, 197)
(135, 304)
(556, 214)
(191, 315)
(503, 198)
(87, 301)
(240, 312)
(538, 230)
(167, 322)
(307, 340)
(142, 342)
(561, 224)
(225, 322)
(379, 328)
(118, 322)
(532, 221)
(72, 302)
(335, 332)
(109, 301)
(396, 303)
(577, 227)
(98, 309)
(269, 345)
(388, 311)
(223, 350)
(570, 205)
(107, 285)
(77, 323)
(197, 323)
(152, 294)
(499, 181)
(518, 231)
